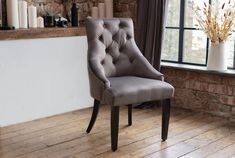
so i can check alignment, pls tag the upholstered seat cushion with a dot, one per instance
(130, 89)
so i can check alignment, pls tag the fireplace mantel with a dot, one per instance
(42, 33)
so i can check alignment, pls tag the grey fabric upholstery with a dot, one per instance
(116, 66)
(130, 89)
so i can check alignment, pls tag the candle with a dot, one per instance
(23, 15)
(12, 13)
(40, 22)
(94, 12)
(109, 8)
(101, 8)
(32, 16)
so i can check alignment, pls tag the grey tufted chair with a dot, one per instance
(120, 75)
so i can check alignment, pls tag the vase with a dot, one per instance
(217, 57)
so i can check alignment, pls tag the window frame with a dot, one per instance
(182, 29)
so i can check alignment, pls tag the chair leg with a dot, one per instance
(165, 118)
(94, 115)
(129, 115)
(114, 127)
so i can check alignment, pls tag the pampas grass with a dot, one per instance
(217, 21)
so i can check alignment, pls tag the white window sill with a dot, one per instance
(201, 69)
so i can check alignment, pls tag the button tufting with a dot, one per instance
(131, 60)
(102, 62)
(120, 49)
(101, 38)
(128, 37)
(107, 50)
(121, 25)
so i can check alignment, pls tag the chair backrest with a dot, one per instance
(111, 46)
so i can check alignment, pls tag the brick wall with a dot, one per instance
(201, 91)
(125, 8)
(122, 8)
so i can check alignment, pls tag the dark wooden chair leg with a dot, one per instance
(94, 115)
(165, 118)
(129, 115)
(114, 127)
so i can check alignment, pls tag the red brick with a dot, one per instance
(195, 85)
(204, 86)
(132, 8)
(234, 90)
(191, 75)
(220, 89)
(228, 80)
(228, 100)
(167, 71)
(187, 84)
(210, 78)
(211, 88)
(122, 8)
(233, 111)
(181, 74)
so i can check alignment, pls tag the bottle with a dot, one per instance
(74, 15)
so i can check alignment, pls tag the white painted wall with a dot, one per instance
(42, 77)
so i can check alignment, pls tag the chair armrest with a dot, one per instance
(100, 76)
(98, 83)
(144, 69)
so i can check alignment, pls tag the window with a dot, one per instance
(183, 43)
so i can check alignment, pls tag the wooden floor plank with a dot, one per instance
(63, 135)
(75, 144)
(42, 123)
(226, 152)
(177, 128)
(212, 148)
(194, 143)
(148, 146)
(173, 151)
(80, 121)
(95, 134)
(128, 135)
(190, 135)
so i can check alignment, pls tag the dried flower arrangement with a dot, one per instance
(217, 21)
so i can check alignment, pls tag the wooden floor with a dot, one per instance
(190, 135)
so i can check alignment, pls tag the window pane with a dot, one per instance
(170, 45)
(195, 42)
(218, 3)
(173, 13)
(190, 20)
(231, 48)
